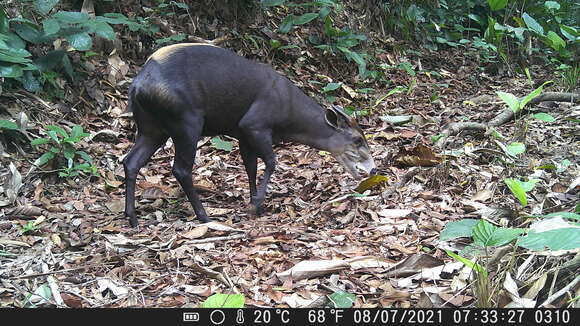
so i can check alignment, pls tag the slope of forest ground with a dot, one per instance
(68, 236)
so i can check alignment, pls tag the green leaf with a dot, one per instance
(306, 18)
(271, 3)
(30, 82)
(220, 300)
(28, 32)
(516, 189)
(330, 87)
(568, 215)
(85, 156)
(39, 141)
(486, 234)
(497, 4)
(557, 239)
(58, 130)
(544, 117)
(287, 24)
(516, 148)
(532, 24)
(556, 42)
(341, 299)
(71, 17)
(77, 132)
(4, 23)
(510, 99)
(7, 124)
(552, 5)
(44, 6)
(218, 143)
(533, 94)
(50, 60)
(529, 185)
(11, 71)
(469, 263)
(458, 229)
(44, 158)
(570, 32)
(104, 30)
(50, 26)
(81, 41)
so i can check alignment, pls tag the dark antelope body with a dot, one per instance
(187, 91)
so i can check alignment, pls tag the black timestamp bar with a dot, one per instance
(312, 317)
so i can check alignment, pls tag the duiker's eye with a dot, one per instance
(359, 141)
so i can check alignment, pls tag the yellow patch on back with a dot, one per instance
(165, 52)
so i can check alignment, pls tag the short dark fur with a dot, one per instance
(204, 91)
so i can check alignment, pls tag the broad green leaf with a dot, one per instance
(341, 299)
(39, 141)
(497, 4)
(84, 156)
(511, 100)
(218, 143)
(516, 189)
(306, 18)
(50, 26)
(486, 234)
(570, 32)
(44, 158)
(7, 124)
(14, 56)
(50, 60)
(29, 33)
(330, 87)
(271, 3)
(67, 65)
(77, 131)
(556, 42)
(103, 29)
(532, 24)
(4, 23)
(30, 82)
(529, 185)
(58, 130)
(80, 41)
(533, 94)
(287, 24)
(568, 215)
(53, 135)
(544, 117)
(552, 5)
(220, 300)
(516, 148)
(71, 17)
(44, 6)
(557, 239)
(458, 229)
(469, 263)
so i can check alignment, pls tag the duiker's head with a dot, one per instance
(349, 146)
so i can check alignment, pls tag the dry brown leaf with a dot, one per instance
(195, 233)
(420, 155)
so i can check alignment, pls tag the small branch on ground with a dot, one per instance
(506, 115)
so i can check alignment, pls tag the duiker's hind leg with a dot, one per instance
(185, 135)
(144, 147)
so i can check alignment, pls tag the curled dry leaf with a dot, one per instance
(421, 155)
(24, 212)
(195, 233)
(312, 268)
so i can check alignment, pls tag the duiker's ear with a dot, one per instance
(331, 118)
(345, 121)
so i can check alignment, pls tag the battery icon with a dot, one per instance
(190, 316)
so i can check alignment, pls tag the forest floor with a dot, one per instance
(69, 237)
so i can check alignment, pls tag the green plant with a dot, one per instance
(220, 300)
(63, 146)
(29, 227)
(333, 39)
